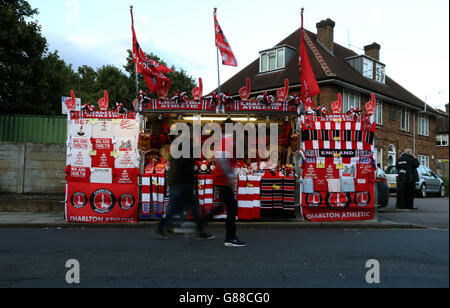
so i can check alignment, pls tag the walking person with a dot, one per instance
(224, 181)
(181, 180)
(407, 177)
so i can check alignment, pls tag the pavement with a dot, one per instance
(431, 213)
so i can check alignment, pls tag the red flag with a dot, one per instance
(152, 71)
(308, 84)
(228, 57)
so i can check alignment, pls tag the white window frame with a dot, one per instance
(379, 113)
(404, 123)
(350, 100)
(380, 73)
(392, 153)
(424, 160)
(442, 140)
(367, 68)
(423, 125)
(275, 52)
(379, 160)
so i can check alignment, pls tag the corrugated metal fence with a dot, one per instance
(35, 129)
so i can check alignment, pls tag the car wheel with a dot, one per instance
(423, 191)
(442, 191)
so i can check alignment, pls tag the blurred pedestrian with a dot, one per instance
(407, 177)
(181, 180)
(224, 182)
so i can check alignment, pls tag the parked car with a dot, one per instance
(391, 176)
(429, 182)
(382, 188)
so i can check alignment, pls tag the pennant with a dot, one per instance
(228, 57)
(308, 84)
(152, 71)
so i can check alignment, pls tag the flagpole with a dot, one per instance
(138, 103)
(218, 65)
(218, 71)
(301, 42)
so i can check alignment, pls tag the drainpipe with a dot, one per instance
(414, 133)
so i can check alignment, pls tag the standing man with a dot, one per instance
(224, 181)
(181, 180)
(406, 180)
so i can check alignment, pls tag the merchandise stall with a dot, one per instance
(322, 168)
(265, 187)
(338, 169)
(102, 165)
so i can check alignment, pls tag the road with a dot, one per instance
(275, 258)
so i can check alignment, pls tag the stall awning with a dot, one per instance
(206, 106)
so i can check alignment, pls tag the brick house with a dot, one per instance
(404, 121)
(442, 153)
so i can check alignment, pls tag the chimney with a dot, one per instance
(373, 51)
(446, 107)
(325, 33)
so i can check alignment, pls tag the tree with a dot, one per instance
(117, 83)
(22, 48)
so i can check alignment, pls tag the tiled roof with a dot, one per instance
(327, 67)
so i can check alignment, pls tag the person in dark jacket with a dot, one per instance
(181, 180)
(407, 177)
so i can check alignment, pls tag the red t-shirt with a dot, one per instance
(78, 174)
(102, 144)
(103, 159)
(125, 175)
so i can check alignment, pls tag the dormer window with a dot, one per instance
(275, 58)
(367, 68)
(379, 73)
(272, 60)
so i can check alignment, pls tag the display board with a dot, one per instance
(102, 162)
(338, 168)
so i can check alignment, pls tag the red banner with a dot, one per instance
(107, 114)
(228, 57)
(102, 203)
(208, 105)
(324, 214)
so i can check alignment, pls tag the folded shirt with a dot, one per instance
(334, 185)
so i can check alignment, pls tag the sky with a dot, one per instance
(414, 35)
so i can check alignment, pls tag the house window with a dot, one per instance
(404, 120)
(424, 160)
(392, 115)
(379, 158)
(272, 60)
(423, 125)
(379, 113)
(367, 68)
(350, 100)
(379, 76)
(442, 140)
